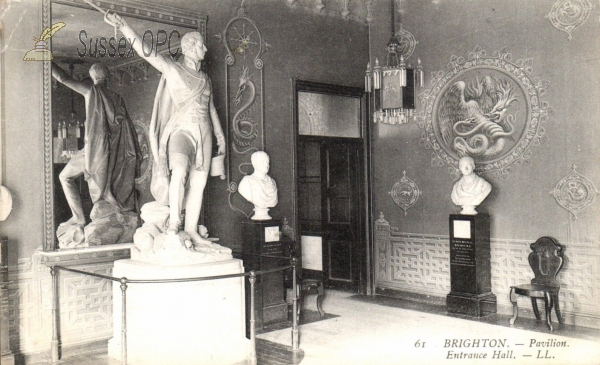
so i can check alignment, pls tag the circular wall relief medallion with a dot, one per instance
(485, 107)
(144, 144)
(574, 192)
(567, 15)
(405, 193)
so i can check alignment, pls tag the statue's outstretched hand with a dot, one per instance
(114, 19)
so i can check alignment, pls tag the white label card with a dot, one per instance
(272, 234)
(462, 229)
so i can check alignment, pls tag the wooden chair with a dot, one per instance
(307, 282)
(546, 260)
(307, 286)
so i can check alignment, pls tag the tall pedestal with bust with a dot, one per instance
(470, 268)
(263, 249)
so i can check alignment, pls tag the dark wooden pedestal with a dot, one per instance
(470, 268)
(257, 247)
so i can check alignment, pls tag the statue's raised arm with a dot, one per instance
(61, 76)
(153, 58)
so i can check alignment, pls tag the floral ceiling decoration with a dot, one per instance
(568, 15)
(486, 107)
(405, 193)
(574, 192)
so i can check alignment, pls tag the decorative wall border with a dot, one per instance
(46, 112)
(419, 263)
(147, 11)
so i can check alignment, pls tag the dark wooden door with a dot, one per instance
(341, 212)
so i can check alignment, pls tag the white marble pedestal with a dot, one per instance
(200, 322)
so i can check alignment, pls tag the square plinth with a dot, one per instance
(470, 304)
(199, 322)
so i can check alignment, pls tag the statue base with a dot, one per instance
(198, 322)
(261, 214)
(468, 209)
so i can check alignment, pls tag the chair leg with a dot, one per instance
(320, 294)
(548, 302)
(536, 311)
(513, 299)
(557, 309)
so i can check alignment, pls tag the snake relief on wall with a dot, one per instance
(243, 127)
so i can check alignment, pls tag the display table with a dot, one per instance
(201, 322)
(470, 268)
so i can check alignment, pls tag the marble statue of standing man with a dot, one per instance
(109, 161)
(471, 189)
(183, 122)
(259, 188)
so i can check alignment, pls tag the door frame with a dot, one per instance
(366, 275)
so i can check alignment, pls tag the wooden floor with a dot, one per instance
(361, 320)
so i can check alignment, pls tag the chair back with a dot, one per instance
(546, 260)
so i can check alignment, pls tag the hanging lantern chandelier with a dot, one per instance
(391, 88)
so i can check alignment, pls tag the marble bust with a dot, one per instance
(259, 188)
(471, 189)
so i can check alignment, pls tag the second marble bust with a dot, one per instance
(259, 188)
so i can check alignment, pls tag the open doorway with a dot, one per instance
(331, 184)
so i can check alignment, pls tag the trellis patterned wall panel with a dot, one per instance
(419, 263)
(85, 306)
